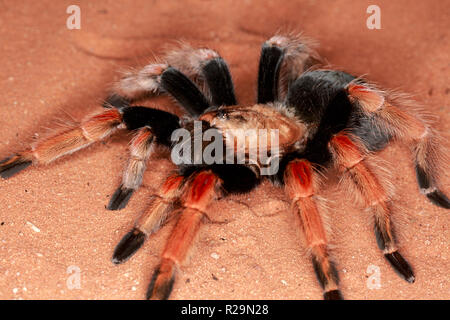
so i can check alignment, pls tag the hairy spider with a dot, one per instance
(325, 118)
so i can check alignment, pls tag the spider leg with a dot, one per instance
(268, 73)
(351, 162)
(191, 76)
(157, 78)
(283, 59)
(141, 148)
(413, 131)
(208, 70)
(219, 81)
(136, 85)
(300, 182)
(185, 92)
(200, 190)
(151, 220)
(92, 129)
(154, 126)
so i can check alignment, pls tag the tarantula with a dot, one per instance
(326, 119)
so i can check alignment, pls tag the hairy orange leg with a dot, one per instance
(151, 220)
(199, 192)
(92, 129)
(301, 182)
(414, 131)
(351, 162)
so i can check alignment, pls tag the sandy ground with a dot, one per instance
(53, 219)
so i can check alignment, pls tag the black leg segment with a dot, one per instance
(269, 73)
(401, 266)
(220, 84)
(161, 123)
(128, 246)
(184, 91)
(13, 165)
(120, 198)
(427, 185)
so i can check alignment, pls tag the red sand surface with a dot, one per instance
(54, 217)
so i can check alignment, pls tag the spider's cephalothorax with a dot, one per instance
(324, 119)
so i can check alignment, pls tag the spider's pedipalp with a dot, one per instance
(395, 122)
(92, 129)
(300, 183)
(200, 190)
(350, 160)
(154, 216)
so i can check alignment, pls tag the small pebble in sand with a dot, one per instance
(214, 255)
(15, 290)
(33, 227)
(284, 282)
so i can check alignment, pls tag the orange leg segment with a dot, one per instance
(151, 220)
(414, 131)
(199, 192)
(351, 162)
(301, 181)
(92, 129)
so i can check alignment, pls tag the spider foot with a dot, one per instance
(128, 246)
(162, 281)
(401, 266)
(13, 165)
(438, 198)
(120, 198)
(333, 295)
(428, 187)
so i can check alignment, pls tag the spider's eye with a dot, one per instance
(221, 114)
